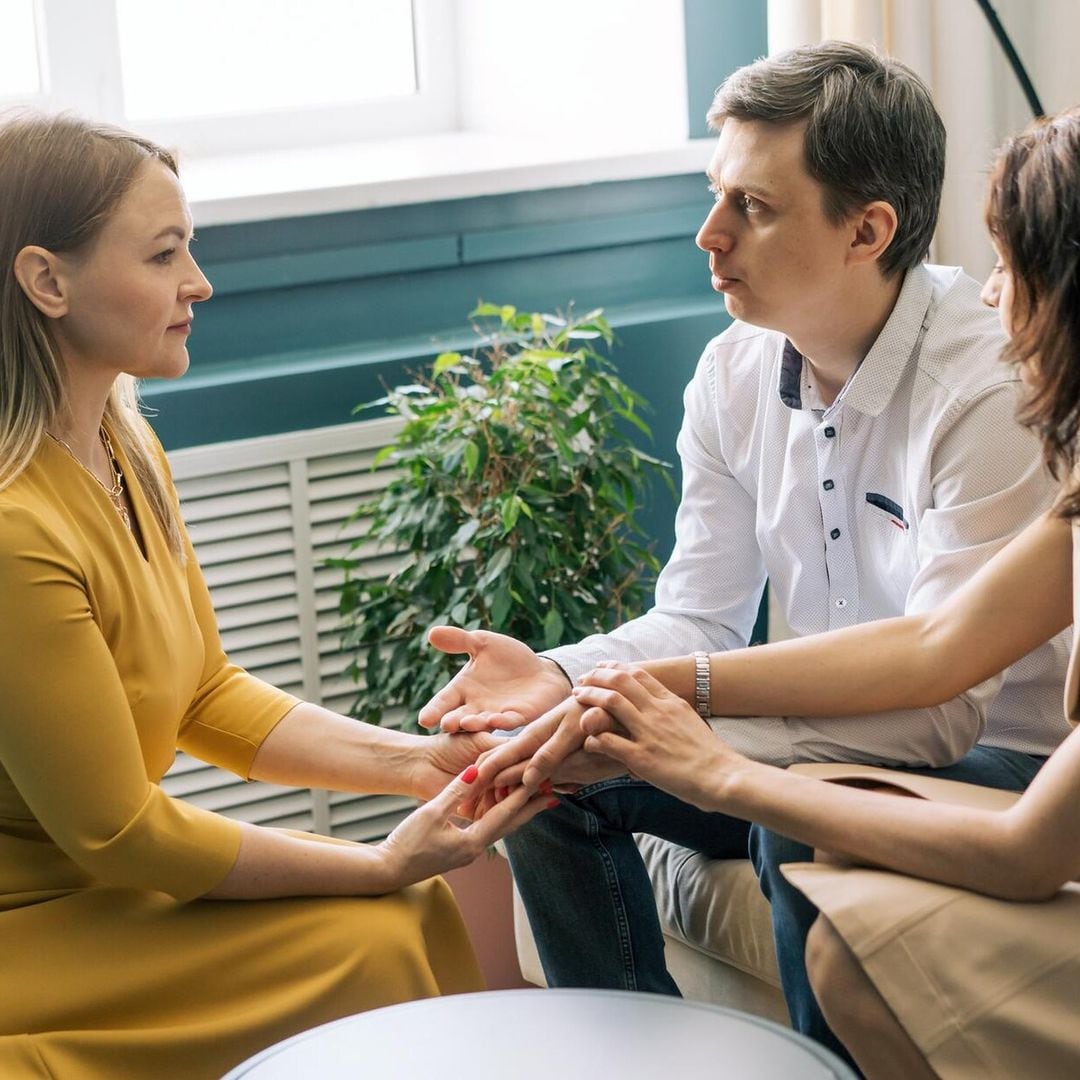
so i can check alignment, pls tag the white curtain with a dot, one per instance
(950, 44)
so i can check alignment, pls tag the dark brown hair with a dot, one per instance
(1033, 214)
(872, 133)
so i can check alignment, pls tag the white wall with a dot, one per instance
(950, 44)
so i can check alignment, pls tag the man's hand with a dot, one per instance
(503, 685)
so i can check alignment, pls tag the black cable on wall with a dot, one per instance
(1012, 56)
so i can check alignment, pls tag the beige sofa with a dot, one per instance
(717, 929)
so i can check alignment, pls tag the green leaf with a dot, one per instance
(383, 454)
(465, 533)
(445, 361)
(500, 608)
(472, 457)
(511, 509)
(553, 628)
(499, 562)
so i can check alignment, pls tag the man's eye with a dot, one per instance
(750, 204)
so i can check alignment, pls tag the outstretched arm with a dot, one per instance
(1018, 600)
(272, 863)
(1025, 853)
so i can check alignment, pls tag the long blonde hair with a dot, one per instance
(61, 177)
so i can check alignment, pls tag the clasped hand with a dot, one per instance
(620, 719)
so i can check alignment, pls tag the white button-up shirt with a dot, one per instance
(879, 504)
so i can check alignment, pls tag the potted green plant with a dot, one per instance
(513, 504)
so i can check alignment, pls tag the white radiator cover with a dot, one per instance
(264, 514)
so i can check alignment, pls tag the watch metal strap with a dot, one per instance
(702, 689)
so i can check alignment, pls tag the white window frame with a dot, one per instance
(79, 55)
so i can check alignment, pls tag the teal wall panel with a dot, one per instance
(721, 35)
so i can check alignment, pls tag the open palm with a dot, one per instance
(503, 685)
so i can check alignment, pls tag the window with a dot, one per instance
(20, 71)
(232, 77)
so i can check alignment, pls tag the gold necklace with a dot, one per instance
(116, 492)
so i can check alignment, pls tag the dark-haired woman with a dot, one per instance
(141, 936)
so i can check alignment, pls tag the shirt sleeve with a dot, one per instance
(707, 596)
(989, 483)
(986, 483)
(68, 740)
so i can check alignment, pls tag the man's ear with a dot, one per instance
(39, 274)
(873, 230)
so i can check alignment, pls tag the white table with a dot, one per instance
(541, 1034)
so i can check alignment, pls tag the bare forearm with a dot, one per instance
(272, 863)
(982, 850)
(890, 664)
(314, 747)
(1017, 601)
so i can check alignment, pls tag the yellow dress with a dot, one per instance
(110, 967)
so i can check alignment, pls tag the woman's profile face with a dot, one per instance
(999, 292)
(130, 297)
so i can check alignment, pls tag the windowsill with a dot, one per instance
(429, 168)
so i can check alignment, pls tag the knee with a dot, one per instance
(834, 973)
(768, 852)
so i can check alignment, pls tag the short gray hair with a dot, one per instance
(872, 132)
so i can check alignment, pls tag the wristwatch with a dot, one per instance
(702, 689)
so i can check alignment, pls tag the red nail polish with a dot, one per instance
(502, 792)
(470, 774)
(552, 803)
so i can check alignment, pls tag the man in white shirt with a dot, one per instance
(852, 438)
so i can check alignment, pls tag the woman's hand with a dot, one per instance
(663, 739)
(440, 758)
(429, 841)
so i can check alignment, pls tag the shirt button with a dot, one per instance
(830, 431)
(835, 534)
(828, 485)
(841, 602)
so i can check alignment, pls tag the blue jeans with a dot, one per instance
(590, 902)
(793, 914)
(585, 888)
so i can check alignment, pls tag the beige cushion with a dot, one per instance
(713, 905)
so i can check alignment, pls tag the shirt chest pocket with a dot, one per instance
(888, 543)
(885, 509)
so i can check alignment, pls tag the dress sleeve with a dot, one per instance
(67, 736)
(232, 711)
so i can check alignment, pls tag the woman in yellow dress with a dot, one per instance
(959, 954)
(141, 936)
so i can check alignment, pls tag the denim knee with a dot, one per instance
(768, 851)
